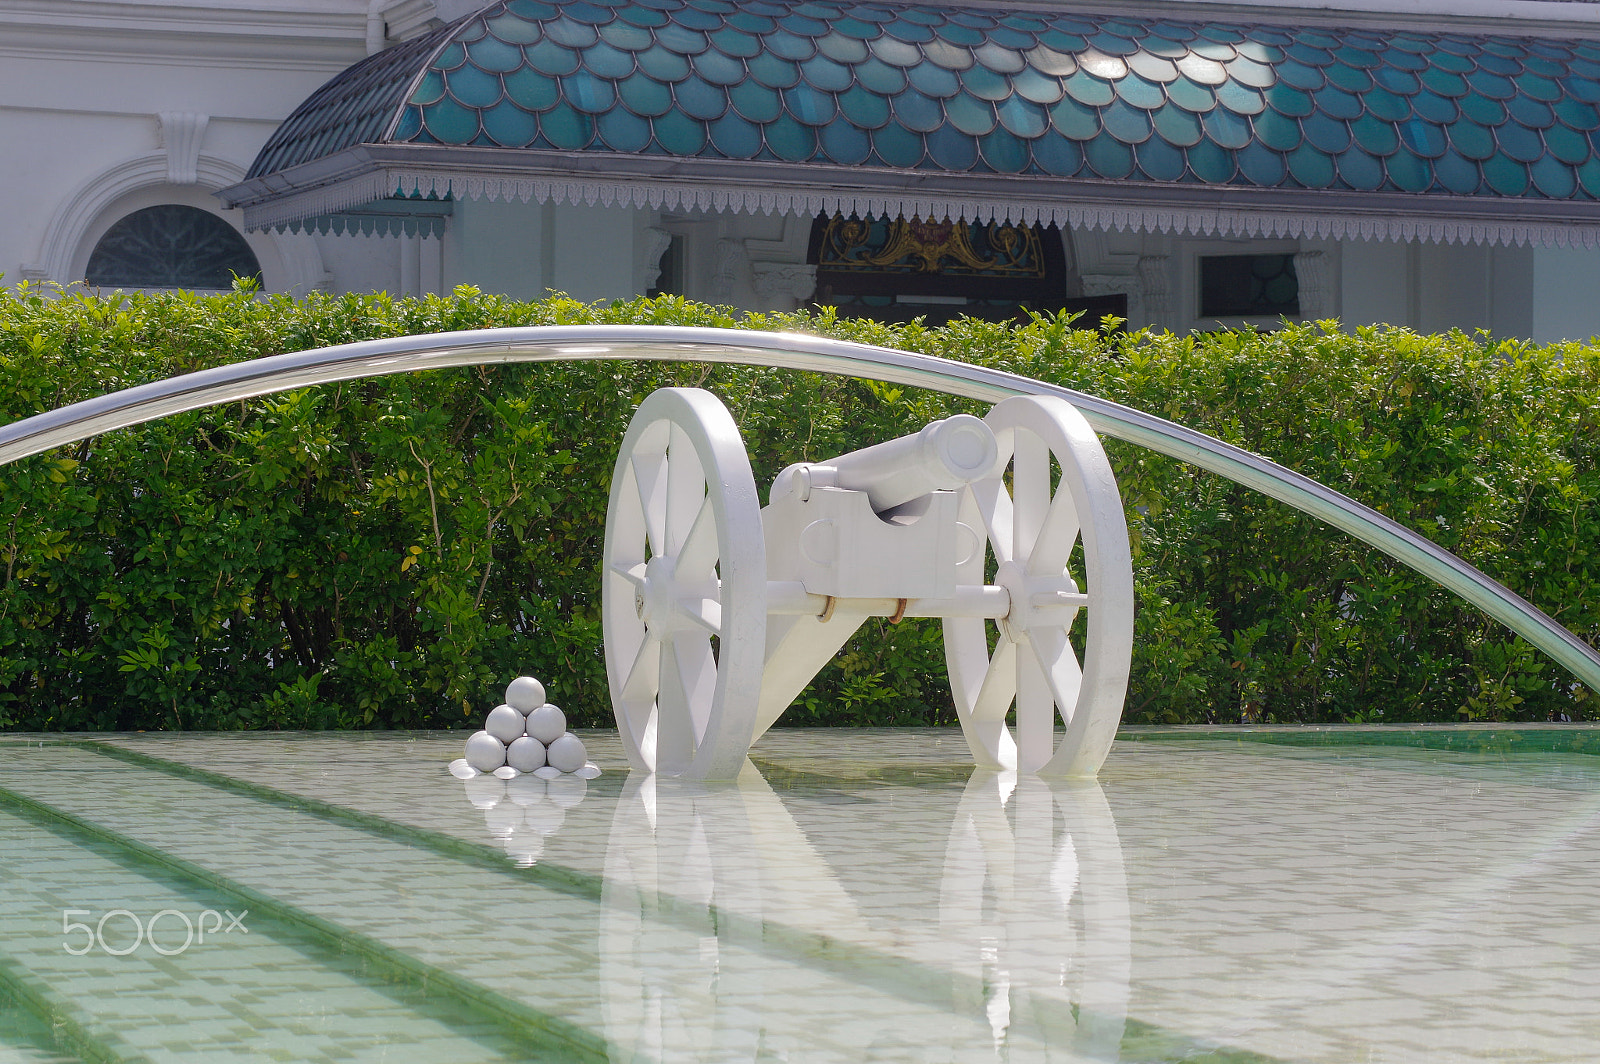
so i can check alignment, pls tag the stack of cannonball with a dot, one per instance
(525, 734)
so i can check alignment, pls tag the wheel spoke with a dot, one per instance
(644, 675)
(706, 612)
(697, 668)
(635, 702)
(674, 726)
(1030, 492)
(686, 489)
(648, 468)
(999, 684)
(698, 556)
(1058, 665)
(1057, 534)
(994, 506)
(633, 574)
(1036, 717)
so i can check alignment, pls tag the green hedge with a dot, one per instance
(386, 553)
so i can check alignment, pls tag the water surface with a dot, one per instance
(1243, 896)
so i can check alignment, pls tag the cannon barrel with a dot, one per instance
(944, 455)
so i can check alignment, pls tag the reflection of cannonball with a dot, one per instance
(525, 847)
(525, 694)
(567, 753)
(567, 791)
(504, 723)
(485, 792)
(547, 723)
(525, 753)
(484, 752)
(526, 790)
(502, 819)
(545, 818)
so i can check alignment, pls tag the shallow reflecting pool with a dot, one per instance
(1240, 896)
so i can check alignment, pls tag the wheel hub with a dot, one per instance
(653, 601)
(1036, 601)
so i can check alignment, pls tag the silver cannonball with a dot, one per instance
(504, 723)
(484, 752)
(547, 723)
(525, 694)
(567, 753)
(525, 754)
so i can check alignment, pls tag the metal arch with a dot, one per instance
(405, 354)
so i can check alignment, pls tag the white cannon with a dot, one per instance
(717, 612)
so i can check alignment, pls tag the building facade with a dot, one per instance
(1182, 164)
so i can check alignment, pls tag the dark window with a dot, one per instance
(1248, 286)
(171, 246)
(670, 280)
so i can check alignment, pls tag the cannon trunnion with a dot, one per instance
(717, 613)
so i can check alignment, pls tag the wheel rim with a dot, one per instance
(684, 588)
(1031, 530)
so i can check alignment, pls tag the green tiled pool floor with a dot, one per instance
(856, 896)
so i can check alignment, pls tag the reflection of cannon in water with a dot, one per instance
(1034, 901)
(727, 935)
(717, 613)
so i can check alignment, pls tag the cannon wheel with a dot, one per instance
(683, 605)
(1032, 525)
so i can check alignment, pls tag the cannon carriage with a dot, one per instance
(717, 612)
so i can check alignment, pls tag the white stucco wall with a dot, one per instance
(1437, 287)
(81, 89)
(1565, 293)
(526, 250)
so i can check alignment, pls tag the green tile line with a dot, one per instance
(1465, 739)
(882, 971)
(556, 877)
(69, 1026)
(538, 1031)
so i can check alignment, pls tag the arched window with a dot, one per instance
(171, 246)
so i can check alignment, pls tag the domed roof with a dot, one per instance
(809, 104)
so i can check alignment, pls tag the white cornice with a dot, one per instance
(362, 174)
(1509, 17)
(302, 35)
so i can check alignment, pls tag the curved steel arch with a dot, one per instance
(405, 354)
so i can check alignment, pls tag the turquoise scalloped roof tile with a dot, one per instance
(958, 89)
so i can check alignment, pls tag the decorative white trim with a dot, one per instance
(733, 270)
(1311, 270)
(1107, 284)
(1152, 292)
(653, 243)
(1193, 210)
(181, 133)
(790, 281)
